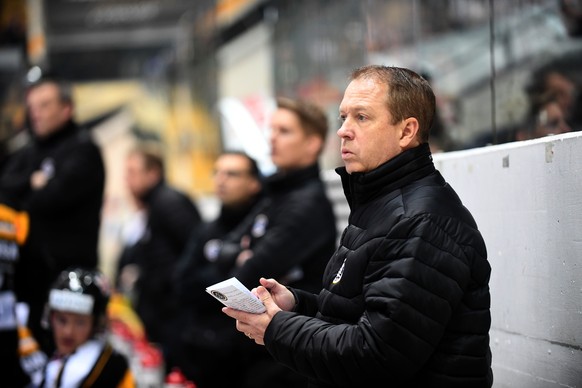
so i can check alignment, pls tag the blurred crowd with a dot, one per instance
(554, 100)
(154, 314)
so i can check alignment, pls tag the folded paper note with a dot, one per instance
(232, 293)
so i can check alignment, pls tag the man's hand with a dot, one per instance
(280, 294)
(246, 252)
(38, 180)
(255, 325)
(243, 256)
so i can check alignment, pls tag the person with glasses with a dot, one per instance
(204, 340)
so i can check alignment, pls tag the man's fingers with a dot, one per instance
(242, 327)
(239, 315)
(263, 294)
(233, 313)
(267, 283)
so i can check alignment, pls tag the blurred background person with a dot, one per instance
(203, 341)
(58, 178)
(571, 12)
(546, 118)
(77, 316)
(554, 105)
(170, 217)
(556, 80)
(441, 140)
(294, 235)
(299, 213)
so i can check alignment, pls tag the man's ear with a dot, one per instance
(69, 110)
(255, 186)
(154, 176)
(409, 133)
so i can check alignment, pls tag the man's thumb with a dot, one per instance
(264, 295)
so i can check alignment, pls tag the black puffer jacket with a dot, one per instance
(406, 296)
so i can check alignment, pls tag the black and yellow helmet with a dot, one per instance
(81, 291)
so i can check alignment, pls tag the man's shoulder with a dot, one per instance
(166, 195)
(81, 139)
(310, 189)
(84, 136)
(174, 192)
(438, 202)
(22, 151)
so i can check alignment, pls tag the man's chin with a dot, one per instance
(352, 167)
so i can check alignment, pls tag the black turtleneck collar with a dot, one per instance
(233, 215)
(67, 130)
(283, 181)
(410, 165)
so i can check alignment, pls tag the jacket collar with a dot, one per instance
(284, 181)
(232, 215)
(411, 165)
(67, 130)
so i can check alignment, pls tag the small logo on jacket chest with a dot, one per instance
(212, 249)
(260, 226)
(340, 273)
(48, 167)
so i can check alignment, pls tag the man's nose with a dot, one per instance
(343, 130)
